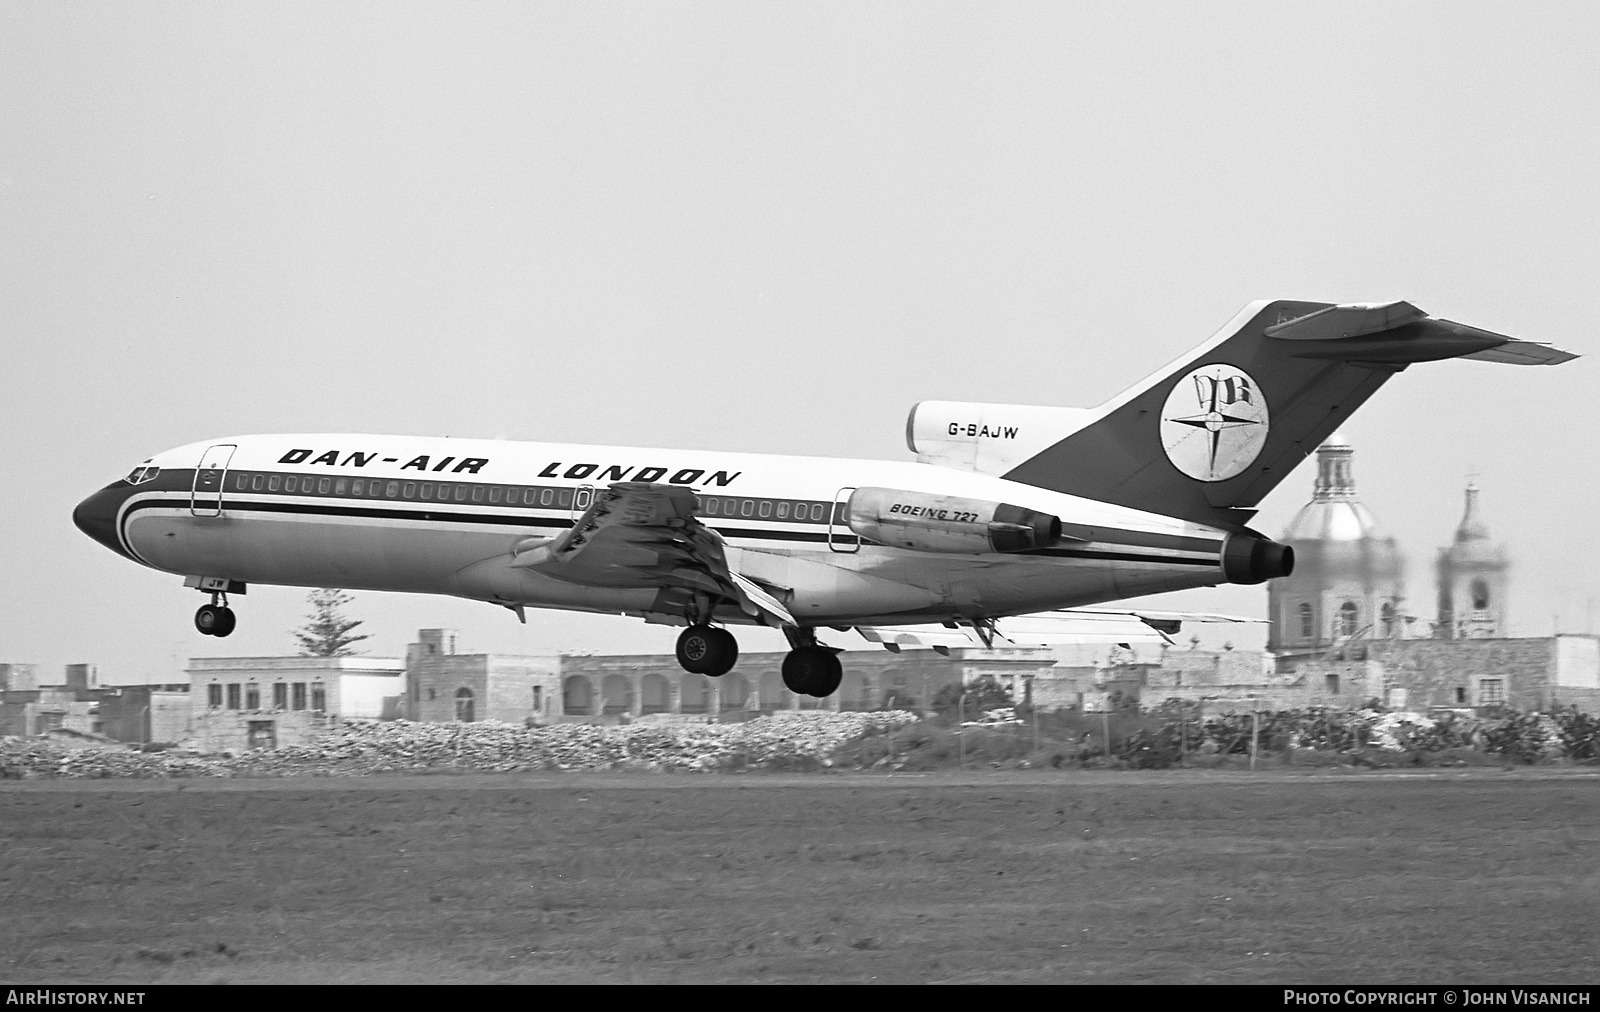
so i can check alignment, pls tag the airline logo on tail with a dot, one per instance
(1214, 422)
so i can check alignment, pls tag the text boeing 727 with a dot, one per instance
(1009, 510)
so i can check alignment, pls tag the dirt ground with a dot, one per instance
(1481, 876)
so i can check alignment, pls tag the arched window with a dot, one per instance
(1480, 596)
(1306, 626)
(464, 705)
(1388, 620)
(1347, 619)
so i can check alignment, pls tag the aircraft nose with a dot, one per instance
(96, 516)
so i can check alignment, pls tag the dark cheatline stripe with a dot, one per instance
(182, 479)
(441, 516)
(1141, 539)
(1081, 553)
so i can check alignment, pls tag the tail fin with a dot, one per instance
(1210, 435)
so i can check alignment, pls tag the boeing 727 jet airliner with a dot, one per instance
(1009, 510)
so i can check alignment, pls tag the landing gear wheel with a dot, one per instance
(812, 671)
(215, 620)
(707, 651)
(209, 619)
(722, 659)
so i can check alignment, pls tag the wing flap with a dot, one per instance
(642, 534)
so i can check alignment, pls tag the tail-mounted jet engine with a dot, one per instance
(1249, 558)
(924, 522)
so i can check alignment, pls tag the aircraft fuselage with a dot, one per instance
(443, 516)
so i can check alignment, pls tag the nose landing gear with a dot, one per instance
(215, 619)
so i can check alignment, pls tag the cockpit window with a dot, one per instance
(142, 474)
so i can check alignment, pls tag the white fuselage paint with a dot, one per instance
(462, 546)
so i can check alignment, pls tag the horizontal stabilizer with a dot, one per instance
(1398, 334)
(1523, 353)
(1353, 320)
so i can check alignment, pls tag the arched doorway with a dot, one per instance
(773, 694)
(616, 695)
(735, 691)
(655, 694)
(464, 705)
(577, 696)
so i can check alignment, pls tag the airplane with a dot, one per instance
(1008, 510)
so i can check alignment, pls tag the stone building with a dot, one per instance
(141, 713)
(237, 703)
(29, 707)
(443, 685)
(646, 684)
(1349, 577)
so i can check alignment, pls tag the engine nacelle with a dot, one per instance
(1247, 558)
(924, 522)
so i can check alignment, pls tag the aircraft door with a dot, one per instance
(840, 537)
(205, 498)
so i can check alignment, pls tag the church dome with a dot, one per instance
(1349, 577)
(1336, 524)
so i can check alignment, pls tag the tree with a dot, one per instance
(985, 693)
(327, 631)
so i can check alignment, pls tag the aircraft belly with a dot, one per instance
(309, 551)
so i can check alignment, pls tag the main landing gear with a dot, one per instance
(809, 669)
(216, 618)
(706, 650)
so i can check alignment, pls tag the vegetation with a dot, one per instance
(327, 632)
(972, 699)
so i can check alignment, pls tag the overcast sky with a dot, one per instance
(762, 227)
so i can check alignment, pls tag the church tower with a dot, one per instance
(1474, 573)
(1349, 578)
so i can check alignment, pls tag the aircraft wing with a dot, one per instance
(1069, 627)
(643, 534)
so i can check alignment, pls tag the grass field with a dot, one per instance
(1172, 877)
